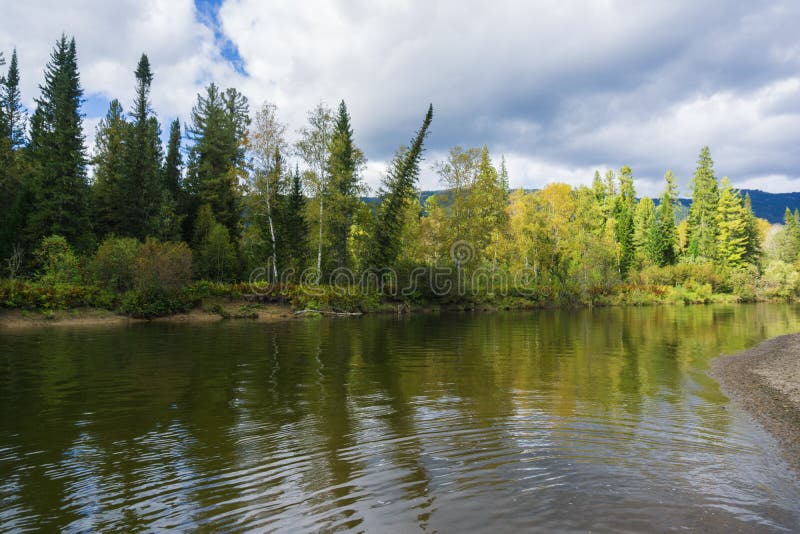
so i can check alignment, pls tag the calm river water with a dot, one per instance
(545, 420)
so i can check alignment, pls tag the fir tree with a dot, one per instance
(399, 187)
(703, 226)
(58, 183)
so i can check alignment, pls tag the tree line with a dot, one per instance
(224, 185)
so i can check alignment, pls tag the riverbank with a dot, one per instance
(212, 311)
(765, 380)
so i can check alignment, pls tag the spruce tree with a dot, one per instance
(342, 168)
(488, 201)
(142, 185)
(731, 247)
(58, 176)
(173, 162)
(644, 222)
(13, 196)
(217, 157)
(109, 172)
(623, 213)
(296, 225)
(398, 191)
(753, 250)
(703, 225)
(12, 111)
(173, 204)
(665, 239)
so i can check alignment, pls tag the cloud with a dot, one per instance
(560, 88)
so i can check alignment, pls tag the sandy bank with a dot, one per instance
(19, 319)
(765, 380)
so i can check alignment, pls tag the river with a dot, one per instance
(547, 420)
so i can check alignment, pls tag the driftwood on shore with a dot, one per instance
(323, 312)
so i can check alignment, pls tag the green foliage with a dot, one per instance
(217, 157)
(114, 263)
(295, 225)
(162, 266)
(22, 294)
(703, 223)
(398, 192)
(781, 280)
(663, 239)
(342, 168)
(732, 224)
(623, 214)
(215, 253)
(109, 196)
(13, 189)
(57, 262)
(142, 186)
(58, 174)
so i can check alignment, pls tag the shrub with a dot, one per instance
(57, 262)
(781, 280)
(162, 266)
(114, 263)
(151, 303)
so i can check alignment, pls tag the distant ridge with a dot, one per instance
(769, 206)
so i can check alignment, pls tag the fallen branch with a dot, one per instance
(321, 312)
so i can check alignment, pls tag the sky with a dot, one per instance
(559, 88)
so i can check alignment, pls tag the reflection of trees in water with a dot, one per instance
(114, 413)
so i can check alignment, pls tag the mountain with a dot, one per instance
(769, 206)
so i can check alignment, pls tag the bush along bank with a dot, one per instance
(155, 279)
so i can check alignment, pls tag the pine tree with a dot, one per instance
(109, 174)
(624, 209)
(58, 183)
(732, 236)
(703, 226)
(399, 187)
(342, 168)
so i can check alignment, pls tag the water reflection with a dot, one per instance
(554, 419)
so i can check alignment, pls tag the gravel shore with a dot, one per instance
(765, 380)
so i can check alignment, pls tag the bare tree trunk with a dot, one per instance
(319, 245)
(272, 235)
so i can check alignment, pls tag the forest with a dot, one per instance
(229, 207)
